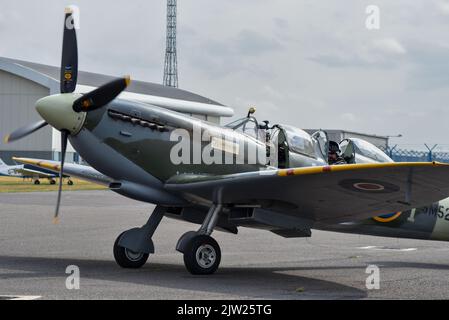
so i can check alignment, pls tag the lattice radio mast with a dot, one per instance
(171, 60)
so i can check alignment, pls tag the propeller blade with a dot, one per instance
(64, 138)
(69, 63)
(102, 96)
(25, 131)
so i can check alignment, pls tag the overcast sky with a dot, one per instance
(309, 63)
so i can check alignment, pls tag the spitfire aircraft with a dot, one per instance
(245, 174)
(29, 172)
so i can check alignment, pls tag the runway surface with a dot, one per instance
(34, 255)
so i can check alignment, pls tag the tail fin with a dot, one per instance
(2, 164)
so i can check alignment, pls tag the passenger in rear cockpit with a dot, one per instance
(334, 157)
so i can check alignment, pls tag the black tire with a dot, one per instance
(37, 182)
(194, 256)
(52, 182)
(125, 258)
(70, 183)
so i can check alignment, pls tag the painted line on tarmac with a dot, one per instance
(19, 298)
(387, 248)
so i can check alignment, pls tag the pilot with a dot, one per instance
(334, 154)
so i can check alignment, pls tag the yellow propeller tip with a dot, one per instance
(6, 139)
(68, 10)
(128, 80)
(56, 220)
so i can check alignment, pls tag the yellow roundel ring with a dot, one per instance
(388, 217)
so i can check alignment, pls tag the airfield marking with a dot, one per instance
(19, 298)
(387, 248)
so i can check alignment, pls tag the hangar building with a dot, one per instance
(23, 83)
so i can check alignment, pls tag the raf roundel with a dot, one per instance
(368, 186)
(388, 217)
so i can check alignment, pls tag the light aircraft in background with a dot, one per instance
(29, 172)
(245, 174)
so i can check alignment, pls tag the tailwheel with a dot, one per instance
(202, 255)
(126, 258)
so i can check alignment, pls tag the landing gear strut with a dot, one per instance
(133, 247)
(202, 254)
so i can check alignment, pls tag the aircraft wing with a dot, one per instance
(327, 194)
(35, 173)
(74, 170)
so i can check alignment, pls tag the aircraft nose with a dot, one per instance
(57, 110)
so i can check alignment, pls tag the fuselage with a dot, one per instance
(136, 153)
(133, 143)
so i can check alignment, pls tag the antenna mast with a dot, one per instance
(171, 61)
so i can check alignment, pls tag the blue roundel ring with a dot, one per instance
(388, 217)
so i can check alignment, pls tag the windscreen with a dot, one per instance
(247, 126)
(299, 141)
(369, 150)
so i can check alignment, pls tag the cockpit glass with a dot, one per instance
(236, 123)
(299, 141)
(344, 144)
(245, 125)
(370, 151)
(322, 140)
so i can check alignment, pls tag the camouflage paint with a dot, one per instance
(150, 149)
(429, 222)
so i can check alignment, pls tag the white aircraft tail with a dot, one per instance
(2, 164)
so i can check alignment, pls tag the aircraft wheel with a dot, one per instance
(70, 183)
(52, 181)
(202, 255)
(126, 258)
(37, 182)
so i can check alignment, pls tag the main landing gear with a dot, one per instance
(127, 258)
(202, 254)
(52, 182)
(133, 247)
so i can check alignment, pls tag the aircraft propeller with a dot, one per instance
(25, 131)
(61, 111)
(102, 96)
